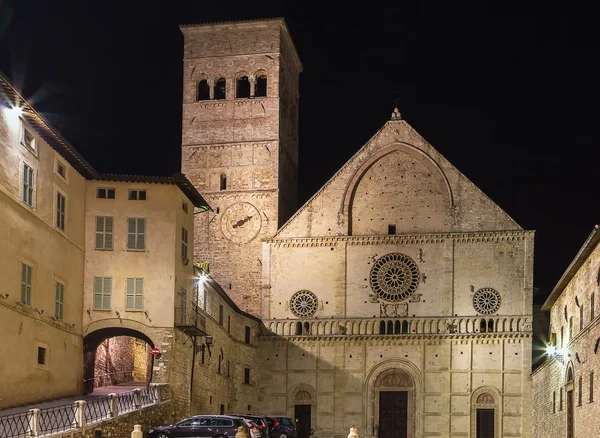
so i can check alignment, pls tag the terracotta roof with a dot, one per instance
(583, 254)
(45, 130)
(178, 179)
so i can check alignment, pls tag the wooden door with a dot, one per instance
(302, 418)
(485, 423)
(393, 414)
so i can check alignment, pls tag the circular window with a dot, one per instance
(487, 301)
(303, 303)
(394, 277)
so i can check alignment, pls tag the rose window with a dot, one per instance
(395, 277)
(303, 303)
(487, 301)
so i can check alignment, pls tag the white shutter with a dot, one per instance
(139, 293)
(130, 293)
(108, 230)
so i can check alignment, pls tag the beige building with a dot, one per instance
(563, 386)
(42, 242)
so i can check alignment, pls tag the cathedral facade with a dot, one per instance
(398, 299)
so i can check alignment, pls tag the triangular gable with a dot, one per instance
(397, 182)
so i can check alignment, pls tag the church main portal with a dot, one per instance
(393, 414)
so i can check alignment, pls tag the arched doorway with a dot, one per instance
(393, 400)
(569, 391)
(116, 355)
(303, 399)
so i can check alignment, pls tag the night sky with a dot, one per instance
(511, 100)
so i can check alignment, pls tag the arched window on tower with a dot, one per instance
(298, 328)
(220, 89)
(223, 182)
(397, 328)
(404, 327)
(490, 327)
(382, 328)
(260, 87)
(482, 326)
(203, 90)
(242, 87)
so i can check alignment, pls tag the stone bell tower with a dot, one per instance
(240, 144)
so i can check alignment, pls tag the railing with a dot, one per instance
(189, 316)
(398, 326)
(77, 415)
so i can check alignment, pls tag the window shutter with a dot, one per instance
(24, 283)
(131, 234)
(130, 292)
(139, 296)
(141, 238)
(107, 292)
(108, 236)
(97, 292)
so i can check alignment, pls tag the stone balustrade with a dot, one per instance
(398, 326)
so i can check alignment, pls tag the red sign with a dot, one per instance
(155, 351)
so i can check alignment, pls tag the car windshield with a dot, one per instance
(285, 421)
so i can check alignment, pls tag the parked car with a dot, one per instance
(287, 427)
(263, 427)
(205, 426)
(273, 425)
(253, 427)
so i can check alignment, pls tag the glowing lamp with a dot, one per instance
(551, 350)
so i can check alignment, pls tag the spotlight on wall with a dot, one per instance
(16, 111)
(208, 340)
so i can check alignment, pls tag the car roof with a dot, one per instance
(213, 416)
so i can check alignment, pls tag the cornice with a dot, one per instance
(404, 239)
(428, 339)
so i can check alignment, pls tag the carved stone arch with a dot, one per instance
(393, 375)
(487, 397)
(304, 394)
(411, 150)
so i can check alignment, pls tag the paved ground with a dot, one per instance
(99, 392)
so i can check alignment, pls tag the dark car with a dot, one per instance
(273, 425)
(260, 421)
(287, 427)
(205, 426)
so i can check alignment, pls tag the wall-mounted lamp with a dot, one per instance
(4, 296)
(41, 312)
(89, 312)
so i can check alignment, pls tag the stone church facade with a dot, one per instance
(398, 299)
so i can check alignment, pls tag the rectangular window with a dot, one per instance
(104, 232)
(592, 306)
(591, 387)
(184, 243)
(202, 358)
(562, 336)
(102, 293)
(184, 206)
(220, 315)
(59, 300)
(61, 169)
(580, 391)
(581, 318)
(228, 369)
(135, 294)
(391, 229)
(105, 193)
(137, 195)
(560, 399)
(247, 375)
(27, 185)
(136, 234)
(26, 282)
(247, 335)
(228, 323)
(27, 137)
(41, 356)
(61, 210)
(553, 402)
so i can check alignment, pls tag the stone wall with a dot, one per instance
(114, 361)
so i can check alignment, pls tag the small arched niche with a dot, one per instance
(260, 85)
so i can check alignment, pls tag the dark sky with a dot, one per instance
(511, 100)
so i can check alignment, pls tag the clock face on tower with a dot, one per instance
(241, 222)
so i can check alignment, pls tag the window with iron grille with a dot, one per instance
(220, 315)
(61, 210)
(26, 282)
(553, 402)
(184, 243)
(228, 323)
(560, 399)
(136, 234)
(105, 193)
(485, 423)
(247, 375)
(135, 294)
(137, 195)
(59, 300)
(27, 185)
(102, 293)
(104, 232)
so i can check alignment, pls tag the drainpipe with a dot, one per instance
(192, 373)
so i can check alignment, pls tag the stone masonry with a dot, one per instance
(240, 150)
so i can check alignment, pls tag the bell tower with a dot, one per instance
(240, 144)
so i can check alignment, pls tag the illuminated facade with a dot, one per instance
(563, 386)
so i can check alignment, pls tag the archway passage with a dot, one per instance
(116, 356)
